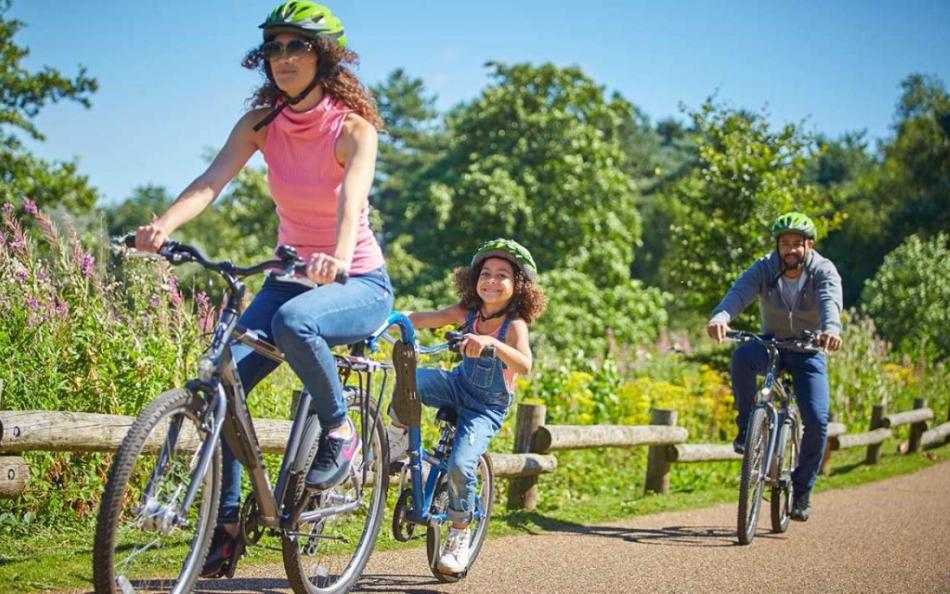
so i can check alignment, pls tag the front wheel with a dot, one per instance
(478, 529)
(142, 534)
(753, 477)
(782, 491)
(326, 555)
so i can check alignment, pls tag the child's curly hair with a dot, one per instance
(527, 302)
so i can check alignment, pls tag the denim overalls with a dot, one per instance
(476, 390)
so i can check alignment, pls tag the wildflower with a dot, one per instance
(86, 265)
(30, 206)
(173, 292)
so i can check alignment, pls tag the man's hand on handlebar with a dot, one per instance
(828, 341)
(717, 330)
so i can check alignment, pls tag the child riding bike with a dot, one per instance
(498, 299)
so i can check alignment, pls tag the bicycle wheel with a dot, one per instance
(142, 535)
(782, 490)
(752, 479)
(436, 532)
(328, 554)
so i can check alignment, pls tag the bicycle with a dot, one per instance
(423, 498)
(773, 439)
(161, 497)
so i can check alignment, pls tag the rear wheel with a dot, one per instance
(142, 534)
(752, 480)
(327, 554)
(782, 490)
(478, 529)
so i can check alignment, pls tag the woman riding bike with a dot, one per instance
(316, 126)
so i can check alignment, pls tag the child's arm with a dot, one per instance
(453, 314)
(515, 352)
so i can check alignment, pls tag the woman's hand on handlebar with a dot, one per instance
(717, 330)
(473, 344)
(149, 238)
(324, 269)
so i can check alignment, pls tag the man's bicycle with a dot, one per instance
(161, 499)
(423, 499)
(773, 439)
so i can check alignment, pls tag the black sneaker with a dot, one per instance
(333, 459)
(801, 508)
(219, 557)
(738, 444)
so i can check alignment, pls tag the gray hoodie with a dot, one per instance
(817, 308)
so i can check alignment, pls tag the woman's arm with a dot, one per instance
(241, 144)
(436, 319)
(515, 352)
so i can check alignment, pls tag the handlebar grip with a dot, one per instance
(341, 277)
(454, 338)
(488, 352)
(129, 240)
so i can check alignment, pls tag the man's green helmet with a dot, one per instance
(794, 222)
(304, 17)
(510, 250)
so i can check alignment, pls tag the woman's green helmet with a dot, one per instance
(794, 222)
(510, 250)
(304, 17)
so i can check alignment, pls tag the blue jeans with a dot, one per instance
(304, 323)
(811, 391)
(476, 390)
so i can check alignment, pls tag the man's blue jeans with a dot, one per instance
(304, 323)
(811, 392)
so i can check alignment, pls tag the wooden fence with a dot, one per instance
(26, 431)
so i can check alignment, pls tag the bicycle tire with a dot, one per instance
(111, 535)
(783, 492)
(752, 479)
(298, 572)
(486, 488)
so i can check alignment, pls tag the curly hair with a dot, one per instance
(339, 81)
(527, 301)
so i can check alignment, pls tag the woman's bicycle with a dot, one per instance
(773, 439)
(423, 498)
(160, 504)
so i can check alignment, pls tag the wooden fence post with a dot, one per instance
(874, 450)
(947, 438)
(826, 458)
(916, 429)
(14, 476)
(658, 463)
(523, 490)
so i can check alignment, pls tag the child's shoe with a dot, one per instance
(455, 553)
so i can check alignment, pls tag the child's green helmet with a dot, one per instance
(510, 250)
(304, 17)
(794, 222)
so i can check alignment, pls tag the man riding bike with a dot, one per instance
(798, 289)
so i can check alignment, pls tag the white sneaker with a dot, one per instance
(398, 443)
(455, 553)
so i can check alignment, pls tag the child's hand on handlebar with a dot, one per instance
(473, 344)
(717, 330)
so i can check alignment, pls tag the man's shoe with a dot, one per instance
(222, 549)
(455, 553)
(738, 444)
(333, 459)
(801, 508)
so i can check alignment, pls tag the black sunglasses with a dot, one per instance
(272, 50)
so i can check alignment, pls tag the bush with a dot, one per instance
(909, 296)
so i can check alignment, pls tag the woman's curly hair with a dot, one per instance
(527, 301)
(339, 81)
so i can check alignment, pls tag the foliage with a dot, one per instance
(745, 176)
(909, 296)
(23, 95)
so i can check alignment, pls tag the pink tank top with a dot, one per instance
(305, 178)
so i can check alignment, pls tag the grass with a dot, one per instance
(62, 560)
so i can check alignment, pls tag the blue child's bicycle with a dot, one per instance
(423, 499)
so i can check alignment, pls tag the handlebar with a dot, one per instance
(453, 338)
(288, 264)
(807, 341)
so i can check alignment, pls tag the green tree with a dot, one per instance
(22, 95)
(745, 175)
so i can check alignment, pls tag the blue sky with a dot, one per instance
(171, 86)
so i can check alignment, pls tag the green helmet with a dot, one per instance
(304, 17)
(510, 250)
(794, 222)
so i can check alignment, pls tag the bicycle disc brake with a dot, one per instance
(403, 528)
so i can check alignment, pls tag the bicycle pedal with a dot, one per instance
(240, 550)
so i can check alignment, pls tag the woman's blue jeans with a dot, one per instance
(304, 323)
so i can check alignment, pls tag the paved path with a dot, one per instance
(887, 536)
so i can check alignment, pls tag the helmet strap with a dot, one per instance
(318, 78)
